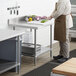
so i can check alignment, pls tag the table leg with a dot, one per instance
(35, 46)
(51, 53)
(13, 27)
(18, 54)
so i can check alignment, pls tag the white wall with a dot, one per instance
(38, 7)
(4, 14)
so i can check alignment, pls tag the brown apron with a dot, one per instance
(60, 28)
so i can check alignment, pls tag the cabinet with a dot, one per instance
(73, 29)
(73, 2)
(8, 55)
(10, 50)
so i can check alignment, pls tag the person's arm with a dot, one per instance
(59, 11)
(50, 17)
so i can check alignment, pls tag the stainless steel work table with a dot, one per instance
(35, 25)
(10, 50)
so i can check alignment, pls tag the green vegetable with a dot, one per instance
(43, 21)
(33, 16)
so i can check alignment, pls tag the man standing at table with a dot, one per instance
(63, 21)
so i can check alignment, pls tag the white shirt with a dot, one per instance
(63, 7)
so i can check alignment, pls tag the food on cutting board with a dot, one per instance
(43, 21)
(33, 17)
(26, 18)
(38, 18)
(30, 18)
(43, 17)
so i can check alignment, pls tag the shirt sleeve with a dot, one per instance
(59, 11)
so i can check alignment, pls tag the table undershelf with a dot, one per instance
(6, 65)
(43, 50)
(39, 52)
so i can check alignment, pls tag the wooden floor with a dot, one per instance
(27, 62)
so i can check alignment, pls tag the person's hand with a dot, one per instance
(49, 18)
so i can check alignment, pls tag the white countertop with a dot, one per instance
(32, 24)
(7, 34)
